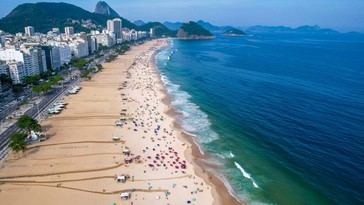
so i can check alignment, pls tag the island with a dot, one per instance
(193, 31)
(234, 32)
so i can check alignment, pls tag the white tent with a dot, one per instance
(121, 178)
(125, 195)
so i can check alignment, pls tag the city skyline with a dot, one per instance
(339, 15)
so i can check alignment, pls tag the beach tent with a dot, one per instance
(121, 178)
(126, 152)
(125, 195)
(115, 138)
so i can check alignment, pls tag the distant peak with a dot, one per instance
(103, 8)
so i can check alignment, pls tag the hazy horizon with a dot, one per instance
(335, 14)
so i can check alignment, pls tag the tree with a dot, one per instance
(33, 80)
(45, 75)
(37, 89)
(5, 79)
(27, 123)
(17, 88)
(79, 63)
(17, 141)
(55, 79)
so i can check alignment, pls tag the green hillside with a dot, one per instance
(193, 30)
(159, 29)
(44, 16)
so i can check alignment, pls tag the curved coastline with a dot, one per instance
(222, 191)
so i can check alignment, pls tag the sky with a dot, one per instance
(342, 15)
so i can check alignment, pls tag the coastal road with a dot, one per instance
(33, 112)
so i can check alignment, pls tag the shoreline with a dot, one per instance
(80, 160)
(222, 194)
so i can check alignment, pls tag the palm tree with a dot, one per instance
(17, 141)
(29, 124)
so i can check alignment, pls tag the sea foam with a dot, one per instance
(192, 119)
(246, 174)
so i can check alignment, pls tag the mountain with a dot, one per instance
(103, 8)
(210, 27)
(139, 22)
(206, 25)
(44, 16)
(173, 25)
(289, 30)
(159, 29)
(233, 32)
(193, 30)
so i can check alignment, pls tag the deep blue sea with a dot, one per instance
(283, 115)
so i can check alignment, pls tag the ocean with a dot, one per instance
(283, 115)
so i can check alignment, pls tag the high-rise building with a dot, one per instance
(115, 26)
(4, 68)
(16, 70)
(27, 56)
(30, 61)
(42, 60)
(79, 48)
(48, 56)
(56, 58)
(110, 25)
(69, 30)
(65, 53)
(55, 30)
(92, 44)
(29, 31)
(151, 32)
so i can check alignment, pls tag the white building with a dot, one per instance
(65, 53)
(56, 58)
(92, 44)
(16, 71)
(29, 31)
(134, 35)
(104, 39)
(115, 26)
(126, 36)
(79, 48)
(29, 57)
(30, 61)
(55, 31)
(11, 54)
(63, 50)
(4, 68)
(69, 30)
(151, 32)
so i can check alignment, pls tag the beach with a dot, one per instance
(119, 126)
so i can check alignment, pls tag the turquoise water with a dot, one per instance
(283, 114)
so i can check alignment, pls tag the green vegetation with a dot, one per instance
(233, 32)
(46, 86)
(87, 73)
(122, 49)
(159, 29)
(111, 58)
(45, 15)
(32, 80)
(46, 75)
(5, 80)
(18, 142)
(28, 124)
(192, 30)
(17, 88)
(79, 63)
(99, 66)
(103, 8)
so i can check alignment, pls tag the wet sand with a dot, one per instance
(80, 161)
